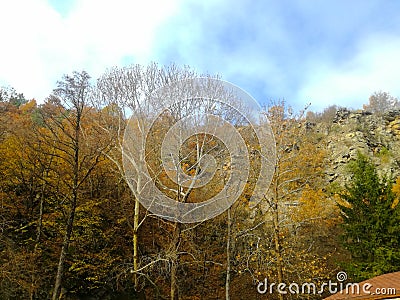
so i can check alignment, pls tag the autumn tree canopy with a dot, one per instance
(72, 225)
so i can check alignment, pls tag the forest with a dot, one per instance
(72, 225)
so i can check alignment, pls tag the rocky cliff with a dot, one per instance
(375, 135)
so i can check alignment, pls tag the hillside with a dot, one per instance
(72, 223)
(376, 135)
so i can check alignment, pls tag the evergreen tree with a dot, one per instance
(371, 222)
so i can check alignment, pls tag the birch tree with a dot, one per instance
(174, 129)
(125, 92)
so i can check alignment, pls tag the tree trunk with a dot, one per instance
(135, 245)
(175, 261)
(64, 249)
(71, 217)
(228, 257)
(278, 246)
(37, 240)
(40, 219)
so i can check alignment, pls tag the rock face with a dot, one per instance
(374, 135)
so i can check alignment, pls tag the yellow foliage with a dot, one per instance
(396, 190)
(28, 107)
(339, 200)
(311, 204)
(314, 206)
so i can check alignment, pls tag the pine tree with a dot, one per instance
(370, 222)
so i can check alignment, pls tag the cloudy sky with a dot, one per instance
(319, 51)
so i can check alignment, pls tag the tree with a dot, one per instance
(192, 139)
(10, 95)
(281, 238)
(126, 95)
(299, 162)
(22, 193)
(35, 203)
(67, 132)
(380, 102)
(371, 222)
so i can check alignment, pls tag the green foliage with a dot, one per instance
(371, 226)
(384, 154)
(10, 95)
(334, 188)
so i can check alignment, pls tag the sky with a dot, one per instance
(304, 51)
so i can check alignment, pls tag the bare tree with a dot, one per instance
(175, 125)
(125, 93)
(380, 102)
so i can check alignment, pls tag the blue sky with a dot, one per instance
(323, 52)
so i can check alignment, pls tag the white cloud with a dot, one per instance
(233, 39)
(300, 52)
(375, 66)
(22, 24)
(40, 45)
